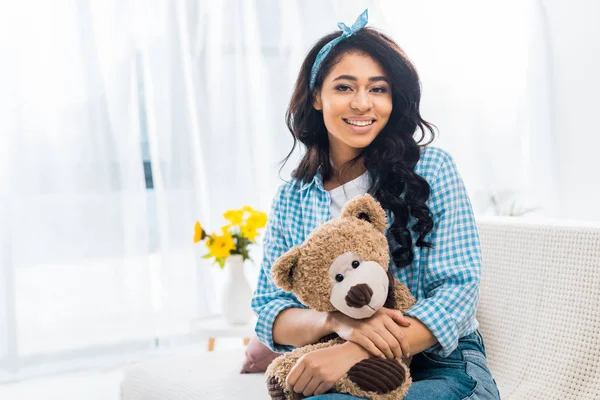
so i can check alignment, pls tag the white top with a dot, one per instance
(341, 194)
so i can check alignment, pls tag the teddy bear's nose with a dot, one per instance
(359, 295)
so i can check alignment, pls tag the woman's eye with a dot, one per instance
(379, 90)
(346, 88)
(342, 88)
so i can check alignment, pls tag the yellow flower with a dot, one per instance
(258, 219)
(249, 231)
(225, 229)
(248, 209)
(234, 216)
(198, 232)
(220, 246)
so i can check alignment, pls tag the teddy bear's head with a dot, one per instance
(343, 264)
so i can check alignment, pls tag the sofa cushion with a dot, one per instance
(215, 375)
(539, 311)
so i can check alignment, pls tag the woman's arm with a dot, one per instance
(299, 327)
(316, 372)
(452, 268)
(419, 336)
(387, 333)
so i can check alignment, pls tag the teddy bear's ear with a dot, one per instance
(365, 207)
(283, 269)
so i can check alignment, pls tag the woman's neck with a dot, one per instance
(342, 175)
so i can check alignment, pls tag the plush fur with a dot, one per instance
(343, 265)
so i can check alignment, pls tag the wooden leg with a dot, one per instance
(211, 344)
(246, 341)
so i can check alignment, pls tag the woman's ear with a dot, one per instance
(317, 103)
(368, 209)
(283, 269)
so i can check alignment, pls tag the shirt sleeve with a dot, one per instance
(268, 299)
(451, 274)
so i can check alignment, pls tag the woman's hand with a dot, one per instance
(381, 334)
(316, 372)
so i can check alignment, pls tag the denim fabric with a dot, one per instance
(462, 375)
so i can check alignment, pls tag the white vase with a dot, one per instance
(237, 293)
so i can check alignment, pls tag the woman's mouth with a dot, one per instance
(359, 126)
(359, 123)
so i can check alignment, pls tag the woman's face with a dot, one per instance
(356, 101)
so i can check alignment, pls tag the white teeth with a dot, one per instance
(360, 123)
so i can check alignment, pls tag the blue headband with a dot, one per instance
(360, 23)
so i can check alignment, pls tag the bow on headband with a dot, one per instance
(360, 23)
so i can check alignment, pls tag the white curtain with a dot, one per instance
(74, 252)
(92, 89)
(77, 275)
(486, 75)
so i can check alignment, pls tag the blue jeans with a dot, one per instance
(462, 375)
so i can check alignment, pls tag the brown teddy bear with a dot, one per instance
(343, 266)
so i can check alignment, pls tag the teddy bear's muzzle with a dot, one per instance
(359, 295)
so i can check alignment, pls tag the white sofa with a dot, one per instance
(539, 315)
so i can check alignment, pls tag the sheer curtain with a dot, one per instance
(93, 260)
(74, 223)
(486, 77)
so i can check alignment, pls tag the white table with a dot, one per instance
(214, 327)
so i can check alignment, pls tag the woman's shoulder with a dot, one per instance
(432, 160)
(288, 192)
(290, 187)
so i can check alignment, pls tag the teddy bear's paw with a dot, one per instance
(377, 375)
(275, 389)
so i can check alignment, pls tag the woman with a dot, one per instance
(356, 110)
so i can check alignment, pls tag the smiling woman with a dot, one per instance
(355, 108)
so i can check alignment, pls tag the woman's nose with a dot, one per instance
(361, 101)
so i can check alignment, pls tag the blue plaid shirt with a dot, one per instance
(444, 279)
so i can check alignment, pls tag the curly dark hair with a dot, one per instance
(391, 158)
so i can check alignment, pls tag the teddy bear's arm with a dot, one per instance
(403, 296)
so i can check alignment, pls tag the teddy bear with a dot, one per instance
(343, 265)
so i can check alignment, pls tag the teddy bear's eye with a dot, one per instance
(339, 277)
(355, 264)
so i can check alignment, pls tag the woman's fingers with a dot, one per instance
(381, 335)
(368, 345)
(311, 387)
(380, 343)
(391, 339)
(402, 340)
(398, 317)
(294, 375)
(323, 388)
(302, 382)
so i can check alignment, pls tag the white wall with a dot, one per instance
(574, 28)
